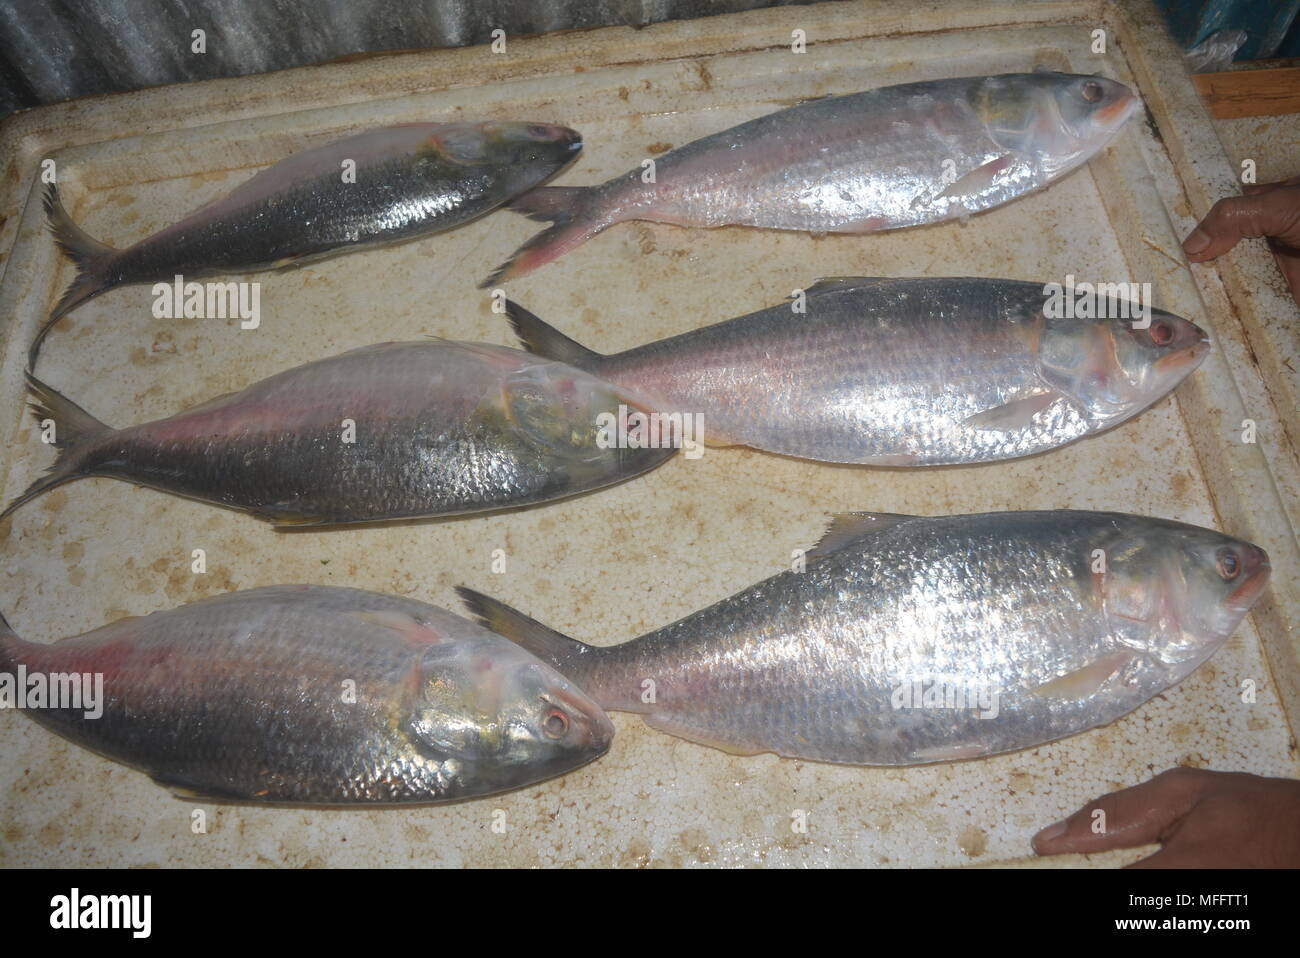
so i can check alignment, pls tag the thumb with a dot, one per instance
(1274, 212)
(1125, 819)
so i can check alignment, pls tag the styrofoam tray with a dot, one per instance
(609, 566)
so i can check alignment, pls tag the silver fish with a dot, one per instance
(410, 181)
(311, 695)
(889, 158)
(392, 431)
(910, 640)
(903, 372)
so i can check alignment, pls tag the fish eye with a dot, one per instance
(1162, 334)
(556, 724)
(1092, 91)
(1228, 564)
(539, 132)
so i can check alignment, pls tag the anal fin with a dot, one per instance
(678, 729)
(284, 515)
(948, 753)
(186, 790)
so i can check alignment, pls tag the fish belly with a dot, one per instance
(241, 697)
(852, 164)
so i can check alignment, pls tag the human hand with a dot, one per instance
(1270, 210)
(1203, 819)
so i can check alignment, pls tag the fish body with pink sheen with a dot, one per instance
(316, 695)
(382, 186)
(885, 159)
(391, 431)
(904, 372)
(908, 640)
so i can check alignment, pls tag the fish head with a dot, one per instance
(1176, 592)
(1058, 118)
(503, 143)
(501, 716)
(531, 146)
(578, 423)
(1114, 367)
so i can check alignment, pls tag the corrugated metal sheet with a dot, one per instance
(52, 50)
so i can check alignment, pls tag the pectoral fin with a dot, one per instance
(1085, 682)
(1015, 415)
(409, 628)
(971, 184)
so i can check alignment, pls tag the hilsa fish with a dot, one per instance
(1018, 628)
(903, 372)
(885, 159)
(317, 695)
(391, 431)
(406, 181)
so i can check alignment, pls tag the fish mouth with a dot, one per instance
(567, 137)
(1116, 114)
(1186, 358)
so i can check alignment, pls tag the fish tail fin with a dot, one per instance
(545, 340)
(10, 646)
(558, 651)
(75, 432)
(574, 216)
(92, 258)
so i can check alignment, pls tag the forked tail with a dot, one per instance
(574, 215)
(7, 642)
(93, 260)
(74, 433)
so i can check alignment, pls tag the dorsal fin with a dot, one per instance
(846, 527)
(824, 284)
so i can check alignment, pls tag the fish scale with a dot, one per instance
(814, 664)
(383, 186)
(900, 371)
(241, 697)
(438, 428)
(888, 158)
(835, 186)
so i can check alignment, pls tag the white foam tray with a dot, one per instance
(610, 566)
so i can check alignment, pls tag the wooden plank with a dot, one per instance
(1240, 93)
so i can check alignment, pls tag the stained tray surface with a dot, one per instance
(608, 566)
